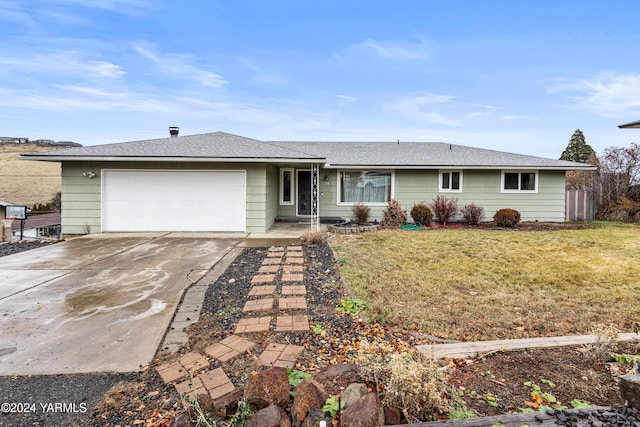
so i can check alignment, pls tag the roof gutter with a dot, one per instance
(465, 167)
(166, 159)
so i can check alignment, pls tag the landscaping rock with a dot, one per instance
(271, 416)
(353, 393)
(314, 417)
(268, 387)
(228, 404)
(182, 420)
(630, 389)
(392, 416)
(206, 404)
(366, 412)
(308, 395)
(336, 378)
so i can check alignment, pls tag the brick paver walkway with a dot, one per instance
(282, 355)
(281, 266)
(261, 291)
(229, 348)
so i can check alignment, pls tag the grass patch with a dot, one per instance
(492, 284)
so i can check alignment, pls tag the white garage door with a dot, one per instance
(143, 200)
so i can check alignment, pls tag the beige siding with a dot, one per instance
(81, 197)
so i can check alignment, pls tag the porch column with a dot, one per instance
(315, 205)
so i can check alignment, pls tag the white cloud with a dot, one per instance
(122, 7)
(416, 49)
(260, 74)
(424, 107)
(180, 65)
(346, 100)
(607, 94)
(66, 63)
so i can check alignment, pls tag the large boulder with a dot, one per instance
(308, 395)
(314, 417)
(353, 393)
(336, 378)
(366, 412)
(271, 416)
(392, 416)
(270, 387)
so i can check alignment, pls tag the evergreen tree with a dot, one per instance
(578, 150)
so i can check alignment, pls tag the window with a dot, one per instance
(286, 186)
(451, 181)
(519, 181)
(364, 187)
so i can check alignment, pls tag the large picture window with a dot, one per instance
(451, 181)
(519, 182)
(369, 187)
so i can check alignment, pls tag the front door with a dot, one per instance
(304, 192)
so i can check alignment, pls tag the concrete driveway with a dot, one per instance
(97, 303)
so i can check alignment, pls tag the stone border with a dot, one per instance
(352, 229)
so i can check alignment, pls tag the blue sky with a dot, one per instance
(517, 76)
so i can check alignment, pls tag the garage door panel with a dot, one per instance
(174, 200)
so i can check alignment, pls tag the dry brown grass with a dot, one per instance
(491, 284)
(27, 182)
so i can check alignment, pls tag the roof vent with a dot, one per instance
(173, 131)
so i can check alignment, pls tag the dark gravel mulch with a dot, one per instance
(16, 247)
(60, 400)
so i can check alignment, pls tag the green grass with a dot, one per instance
(492, 284)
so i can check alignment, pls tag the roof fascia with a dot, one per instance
(168, 159)
(436, 167)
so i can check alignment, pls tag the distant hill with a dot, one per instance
(24, 182)
(40, 142)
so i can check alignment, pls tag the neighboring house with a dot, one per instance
(632, 125)
(223, 182)
(3, 209)
(41, 226)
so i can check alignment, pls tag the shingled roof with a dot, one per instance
(208, 146)
(220, 146)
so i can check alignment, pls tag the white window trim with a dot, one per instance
(338, 195)
(291, 188)
(448, 190)
(519, 172)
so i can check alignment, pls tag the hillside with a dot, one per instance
(27, 182)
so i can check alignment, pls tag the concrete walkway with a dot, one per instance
(461, 350)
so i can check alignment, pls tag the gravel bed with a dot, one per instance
(53, 400)
(25, 245)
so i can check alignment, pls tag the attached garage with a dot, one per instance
(173, 200)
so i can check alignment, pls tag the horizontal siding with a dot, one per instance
(479, 187)
(81, 197)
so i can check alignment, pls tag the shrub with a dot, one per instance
(413, 382)
(607, 337)
(444, 209)
(472, 213)
(421, 214)
(506, 217)
(394, 215)
(361, 213)
(312, 238)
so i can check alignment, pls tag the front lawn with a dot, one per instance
(475, 284)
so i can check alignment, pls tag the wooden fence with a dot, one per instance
(579, 205)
